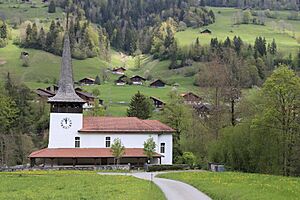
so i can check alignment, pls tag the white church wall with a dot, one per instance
(168, 155)
(61, 135)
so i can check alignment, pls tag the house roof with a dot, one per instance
(88, 95)
(44, 93)
(123, 125)
(157, 99)
(87, 78)
(119, 68)
(66, 92)
(189, 93)
(138, 77)
(86, 153)
(157, 81)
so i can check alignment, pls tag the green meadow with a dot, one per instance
(34, 185)
(242, 186)
(224, 27)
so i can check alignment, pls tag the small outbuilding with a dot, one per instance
(158, 84)
(86, 81)
(206, 31)
(137, 80)
(159, 104)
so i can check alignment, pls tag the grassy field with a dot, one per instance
(224, 27)
(242, 186)
(74, 185)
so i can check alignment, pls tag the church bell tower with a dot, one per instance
(66, 114)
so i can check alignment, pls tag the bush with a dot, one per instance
(153, 168)
(189, 158)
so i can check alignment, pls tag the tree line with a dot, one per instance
(259, 4)
(86, 40)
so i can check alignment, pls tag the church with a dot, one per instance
(75, 139)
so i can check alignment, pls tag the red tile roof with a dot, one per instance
(123, 124)
(86, 153)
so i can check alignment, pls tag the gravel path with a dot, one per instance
(173, 190)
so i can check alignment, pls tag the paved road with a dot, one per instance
(173, 190)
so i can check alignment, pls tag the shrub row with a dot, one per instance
(152, 168)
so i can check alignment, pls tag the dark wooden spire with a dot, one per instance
(66, 92)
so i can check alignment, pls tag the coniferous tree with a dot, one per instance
(97, 80)
(52, 7)
(140, 107)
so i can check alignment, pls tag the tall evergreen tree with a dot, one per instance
(52, 7)
(140, 106)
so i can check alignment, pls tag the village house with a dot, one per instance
(119, 70)
(86, 81)
(137, 80)
(158, 104)
(75, 139)
(122, 80)
(191, 99)
(157, 84)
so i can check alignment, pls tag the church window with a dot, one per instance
(107, 141)
(162, 147)
(77, 142)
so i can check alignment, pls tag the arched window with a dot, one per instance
(107, 142)
(77, 142)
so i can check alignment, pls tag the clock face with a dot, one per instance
(66, 123)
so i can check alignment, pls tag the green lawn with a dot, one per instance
(241, 186)
(75, 185)
(15, 11)
(224, 27)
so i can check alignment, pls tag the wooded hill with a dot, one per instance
(259, 4)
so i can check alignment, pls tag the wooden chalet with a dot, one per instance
(137, 80)
(203, 109)
(159, 104)
(119, 70)
(191, 98)
(206, 31)
(86, 81)
(158, 84)
(122, 80)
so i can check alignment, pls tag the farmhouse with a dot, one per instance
(87, 81)
(119, 70)
(191, 98)
(157, 84)
(75, 139)
(159, 104)
(137, 80)
(206, 31)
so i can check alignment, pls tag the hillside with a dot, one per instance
(44, 67)
(224, 26)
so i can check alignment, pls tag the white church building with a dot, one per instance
(75, 139)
